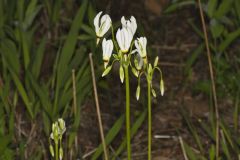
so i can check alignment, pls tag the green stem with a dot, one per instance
(56, 151)
(127, 112)
(149, 121)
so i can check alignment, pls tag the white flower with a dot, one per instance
(141, 44)
(103, 25)
(107, 47)
(129, 24)
(124, 38)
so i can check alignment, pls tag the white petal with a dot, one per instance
(137, 45)
(119, 38)
(123, 21)
(126, 38)
(145, 42)
(133, 25)
(107, 49)
(110, 48)
(96, 22)
(104, 47)
(105, 24)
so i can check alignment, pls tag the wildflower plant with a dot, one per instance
(58, 129)
(128, 57)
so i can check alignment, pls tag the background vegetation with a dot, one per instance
(43, 43)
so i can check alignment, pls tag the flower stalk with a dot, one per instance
(128, 133)
(123, 43)
(149, 119)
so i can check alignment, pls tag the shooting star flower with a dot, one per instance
(102, 25)
(107, 47)
(124, 38)
(129, 24)
(141, 45)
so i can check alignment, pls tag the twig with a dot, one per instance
(89, 153)
(183, 149)
(212, 78)
(98, 108)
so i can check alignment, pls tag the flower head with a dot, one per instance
(107, 47)
(102, 25)
(141, 45)
(129, 24)
(124, 38)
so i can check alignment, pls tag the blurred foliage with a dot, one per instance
(38, 55)
(42, 43)
(223, 23)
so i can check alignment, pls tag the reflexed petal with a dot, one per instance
(105, 24)
(123, 21)
(133, 25)
(141, 44)
(119, 38)
(96, 21)
(107, 46)
(110, 47)
(104, 46)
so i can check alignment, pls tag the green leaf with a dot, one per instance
(224, 8)
(22, 93)
(137, 124)
(216, 28)
(193, 58)
(237, 9)
(41, 93)
(211, 7)
(106, 71)
(31, 13)
(212, 152)
(229, 39)
(110, 137)
(68, 51)
(38, 57)
(88, 30)
(10, 54)
(173, 7)
(85, 37)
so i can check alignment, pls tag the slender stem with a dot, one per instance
(149, 121)
(98, 107)
(56, 151)
(127, 112)
(212, 77)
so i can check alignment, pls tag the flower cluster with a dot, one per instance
(124, 37)
(58, 129)
(123, 45)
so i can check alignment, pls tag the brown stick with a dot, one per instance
(183, 148)
(98, 108)
(212, 78)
